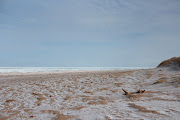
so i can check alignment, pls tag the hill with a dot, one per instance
(173, 63)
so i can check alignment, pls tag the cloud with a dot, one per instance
(96, 32)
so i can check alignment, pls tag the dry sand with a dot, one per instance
(89, 95)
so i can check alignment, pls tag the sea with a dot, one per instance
(51, 69)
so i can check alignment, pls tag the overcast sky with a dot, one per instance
(116, 33)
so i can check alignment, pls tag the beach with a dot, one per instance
(90, 95)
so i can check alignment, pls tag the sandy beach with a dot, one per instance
(89, 60)
(90, 95)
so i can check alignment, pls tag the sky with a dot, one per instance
(88, 33)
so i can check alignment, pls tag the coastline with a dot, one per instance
(90, 95)
(18, 70)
